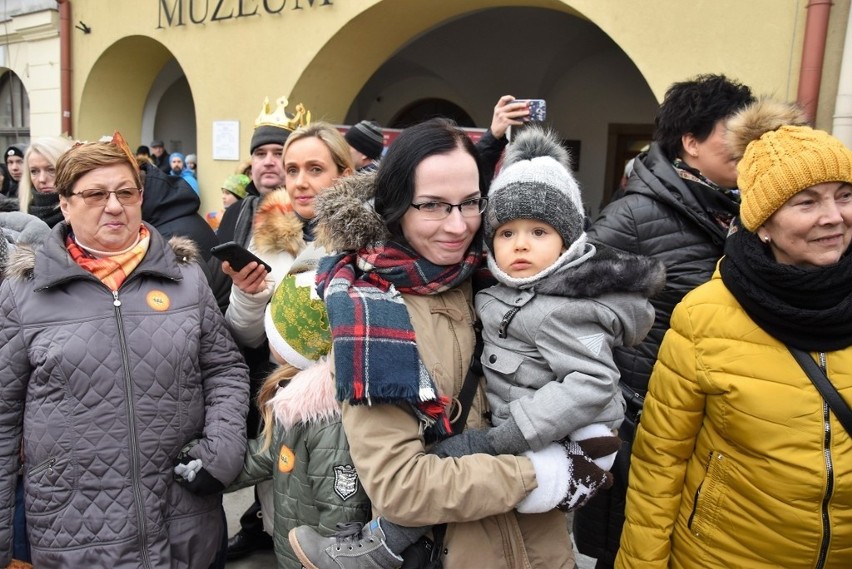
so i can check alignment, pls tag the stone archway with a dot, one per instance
(125, 91)
(468, 55)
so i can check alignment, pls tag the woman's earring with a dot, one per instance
(766, 239)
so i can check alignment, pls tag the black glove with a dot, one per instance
(586, 478)
(197, 480)
(465, 443)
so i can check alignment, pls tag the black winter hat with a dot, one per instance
(268, 134)
(366, 137)
(14, 150)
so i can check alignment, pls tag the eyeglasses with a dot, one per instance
(125, 196)
(442, 210)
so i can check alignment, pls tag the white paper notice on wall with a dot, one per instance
(226, 140)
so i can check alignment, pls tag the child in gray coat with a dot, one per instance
(549, 328)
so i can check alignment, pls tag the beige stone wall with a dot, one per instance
(297, 51)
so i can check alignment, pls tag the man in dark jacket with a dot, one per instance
(14, 160)
(170, 205)
(677, 207)
(160, 156)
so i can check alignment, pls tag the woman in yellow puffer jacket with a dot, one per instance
(738, 462)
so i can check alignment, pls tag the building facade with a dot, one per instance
(195, 72)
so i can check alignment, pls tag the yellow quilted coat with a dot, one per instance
(736, 463)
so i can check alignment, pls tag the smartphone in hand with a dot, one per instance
(538, 108)
(237, 256)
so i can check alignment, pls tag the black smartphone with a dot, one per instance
(237, 256)
(538, 108)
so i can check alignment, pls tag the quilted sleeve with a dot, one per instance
(335, 488)
(14, 375)
(257, 466)
(671, 419)
(226, 393)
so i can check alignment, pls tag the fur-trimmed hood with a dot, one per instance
(346, 220)
(307, 398)
(276, 226)
(22, 262)
(607, 271)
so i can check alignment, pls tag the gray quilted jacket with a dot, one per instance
(548, 350)
(115, 385)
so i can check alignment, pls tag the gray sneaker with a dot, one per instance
(353, 546)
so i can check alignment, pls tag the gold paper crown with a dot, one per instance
(280, 118)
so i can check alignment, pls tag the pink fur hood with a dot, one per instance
(307, 398)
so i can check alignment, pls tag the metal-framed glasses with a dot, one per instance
(441, 210)
(125, 196)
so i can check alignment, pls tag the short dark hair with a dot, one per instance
(395, 177)
(695, 106)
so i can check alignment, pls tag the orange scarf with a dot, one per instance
(112, 271)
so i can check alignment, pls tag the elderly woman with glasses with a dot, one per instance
(117, 365)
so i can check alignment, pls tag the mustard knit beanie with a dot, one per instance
(781, 156)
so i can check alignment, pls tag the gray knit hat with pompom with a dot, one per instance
(536, 182)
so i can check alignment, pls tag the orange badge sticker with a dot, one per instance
(158, 300)
(286, 459)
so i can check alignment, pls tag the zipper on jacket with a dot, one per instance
(829, 483)
(46, 465)
(698, 493)
(134, 444)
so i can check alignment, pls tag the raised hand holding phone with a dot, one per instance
(246, 269)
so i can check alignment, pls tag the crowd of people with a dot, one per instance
(428, 365)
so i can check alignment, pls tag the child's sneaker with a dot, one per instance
(354, 546)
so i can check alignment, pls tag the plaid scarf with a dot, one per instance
(375, 353)
(112, 271)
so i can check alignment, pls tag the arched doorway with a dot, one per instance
(169, 113)
(149, 99)
(14, 110)
(469, 54)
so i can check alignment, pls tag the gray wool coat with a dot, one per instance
(103, 391)
(554, 372)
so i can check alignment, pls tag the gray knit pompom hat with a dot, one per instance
(536, 182)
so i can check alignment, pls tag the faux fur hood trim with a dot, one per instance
(760, 117)
(608, 271)
(22, 262)
(346, 220)
(186, 250)
(276, 226)
(308, 397)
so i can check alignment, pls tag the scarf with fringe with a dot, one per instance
(375, 352)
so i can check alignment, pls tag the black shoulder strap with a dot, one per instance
(471, 382)
(825, 387)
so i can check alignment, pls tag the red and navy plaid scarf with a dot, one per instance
(375, 354)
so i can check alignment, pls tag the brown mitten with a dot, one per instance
(585, 478)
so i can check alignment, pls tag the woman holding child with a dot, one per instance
(400, 303)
